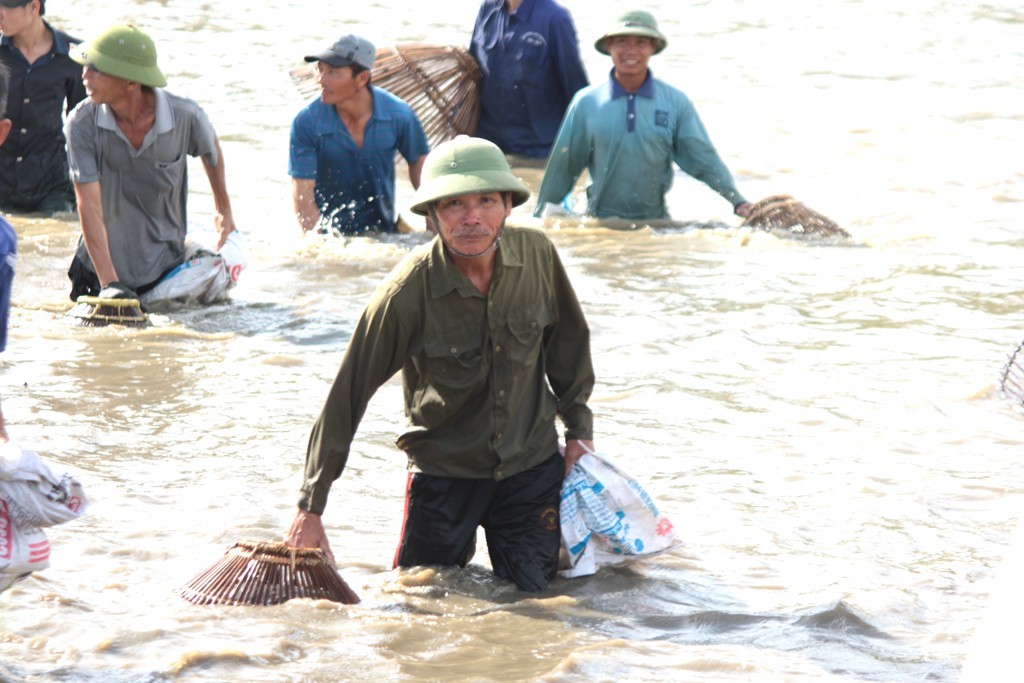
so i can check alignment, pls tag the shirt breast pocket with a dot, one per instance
(526, 335)
(533, 53)
(162, 177)
(454, 357)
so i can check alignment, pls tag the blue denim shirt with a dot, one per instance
(355, 186)
(531, 67)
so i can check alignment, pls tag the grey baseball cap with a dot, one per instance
(346, 51)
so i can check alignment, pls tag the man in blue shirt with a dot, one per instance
(8, 238)
(342, 152)
(45, 83)
(628, 131)
(529, 56)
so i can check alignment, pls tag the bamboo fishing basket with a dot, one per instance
(1012, 379)
(92, 311)
(783, 213)
(256, 573)
(440, 82)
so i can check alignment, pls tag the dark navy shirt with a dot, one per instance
(531, 67)
(33, 159)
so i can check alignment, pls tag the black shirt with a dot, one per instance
(33, 158)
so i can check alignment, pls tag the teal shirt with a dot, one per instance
(484, 376)
(628, 143)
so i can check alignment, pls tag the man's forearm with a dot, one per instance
(94, 231)
(306, 211)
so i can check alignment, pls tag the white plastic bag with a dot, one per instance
(233, 253)
(607, 518)
(32, 497)
(203, 277)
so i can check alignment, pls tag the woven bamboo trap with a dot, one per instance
(253, 573)
(92, 311)
(440, 82)
(783, 213)
(1012, 380)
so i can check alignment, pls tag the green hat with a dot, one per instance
(123, 51)
(634, 23)
(466, 165)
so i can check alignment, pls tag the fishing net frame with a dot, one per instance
(260, 573)
(93, 311)
(784, 213)
(1011, 379)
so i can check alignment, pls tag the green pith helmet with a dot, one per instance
(634, 23)
(466, 165)
(123, 51)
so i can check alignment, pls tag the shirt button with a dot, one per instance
(631, 116)
(497, 349)
(454, 350)
(27, 100)
(18, 159)
(24, 130)
(497, 437)
(501, 392)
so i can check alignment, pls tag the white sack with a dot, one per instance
(607, 518)
(32, 497)
(203, 277)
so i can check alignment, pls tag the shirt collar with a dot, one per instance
(646, 89)
(164, 116)
(381, 111)
(525, 10)
(445, 277)
(60, 45)
(329, 123)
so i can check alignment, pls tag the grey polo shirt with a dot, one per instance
(144, 190)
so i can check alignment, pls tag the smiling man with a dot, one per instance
(628, 131)
(493, 347)
(343, 144)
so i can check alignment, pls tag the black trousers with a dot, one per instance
(519, 516)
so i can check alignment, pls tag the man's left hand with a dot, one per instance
(225, 225)
(574, 450)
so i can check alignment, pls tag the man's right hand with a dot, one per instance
(116, 290)
(307, 531)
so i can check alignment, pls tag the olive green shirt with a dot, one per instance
(483, 376)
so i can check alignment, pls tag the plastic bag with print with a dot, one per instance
(607, 518)
(32, 498)
(203, 277)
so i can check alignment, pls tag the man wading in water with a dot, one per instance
(493, 346)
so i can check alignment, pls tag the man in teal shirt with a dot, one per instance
(628, 131)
